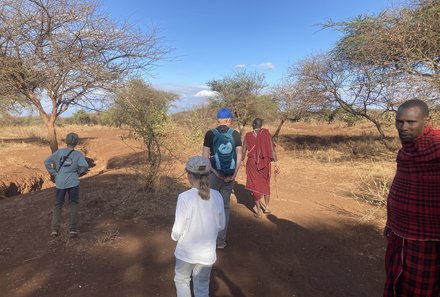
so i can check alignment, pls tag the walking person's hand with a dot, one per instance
(386, 231)
(229, 178)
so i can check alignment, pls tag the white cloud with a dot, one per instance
(189, 95)
(267, 65)
(262, 66)
(181, 89)
(206, 93)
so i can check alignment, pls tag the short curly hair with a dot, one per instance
(415, 103)
(72, 139)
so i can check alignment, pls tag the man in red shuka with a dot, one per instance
(260, 153)
(412, 259)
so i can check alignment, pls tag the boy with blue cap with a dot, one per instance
(223, 146)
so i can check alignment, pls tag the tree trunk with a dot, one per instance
(241, 128)
(148, 143)
(383, 137)
(51, 133)
(277, 132)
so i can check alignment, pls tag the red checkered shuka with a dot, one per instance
(412, 268)
(413, 208)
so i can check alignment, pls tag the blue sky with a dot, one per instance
(213, 38)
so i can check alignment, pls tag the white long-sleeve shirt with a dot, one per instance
(196, 226)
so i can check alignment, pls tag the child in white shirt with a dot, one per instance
(199, 217)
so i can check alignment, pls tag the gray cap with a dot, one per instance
(72, 139)
(198, 165)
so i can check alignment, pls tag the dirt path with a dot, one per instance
(314, 244)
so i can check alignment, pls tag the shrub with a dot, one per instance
(196, 122)
(81, 117)
(349, 119)
(110, 117)
(374, 188)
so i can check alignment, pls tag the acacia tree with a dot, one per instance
(65, 52)
(399, 40)
(357, 89)
(10, 105)
(294, 99)
(239, 92)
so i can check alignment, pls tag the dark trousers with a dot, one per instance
(225, 189)
(60, 195)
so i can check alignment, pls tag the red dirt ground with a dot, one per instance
(315, 243)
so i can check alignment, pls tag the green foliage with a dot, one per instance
(326, 114)
(8, 120)
(239, 92)
(110, 117)
(401, 39)
(347, 117)
(195, 122)
(81, 117)
(145, 111)
(266, 108)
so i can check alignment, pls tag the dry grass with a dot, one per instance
(17, 161)
(40, 131)
(8, 146)
(332, 143)
(336, 149)
(373, 188)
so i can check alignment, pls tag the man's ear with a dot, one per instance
(426, 120)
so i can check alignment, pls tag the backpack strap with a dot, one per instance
(231, 133)
(215, 131)
(67, 156)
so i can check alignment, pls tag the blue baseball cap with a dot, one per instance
(224, 113)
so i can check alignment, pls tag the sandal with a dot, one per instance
(267, 210)
(258, 216)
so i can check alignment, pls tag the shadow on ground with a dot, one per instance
(124, 249)
(324, 141)
(130, 160)
(244, 197)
